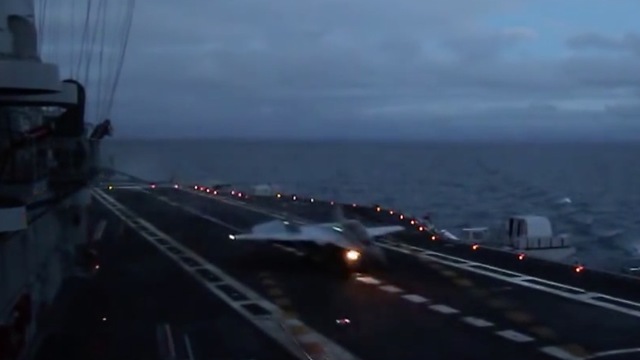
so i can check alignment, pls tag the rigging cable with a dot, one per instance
(72, 27)
(112, 56)
(42, 10)
(93, 42)
(101, 81)
(56, 26)
(129, 22)
(85, 32)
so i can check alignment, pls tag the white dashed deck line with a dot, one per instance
(514, 336)
(559, 353)
(196, 212)
(270, 325)
(415, 298)
(390, 288)
(368, 280)
(477, 321)
(610, 353)
(508, 276)
(444, 309)
(621, 305)
(293, 322)
(309, 338)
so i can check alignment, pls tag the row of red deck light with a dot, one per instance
(578, 268)
(312, 200)
(295, 198)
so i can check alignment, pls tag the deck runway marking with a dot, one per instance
(444, 309)
(308, 338)
(293, 322)
(282, 302)
(313, 348)
(432, 264)
(235, 203)
(559, 353)
(543, 332)
(500, 289)
(271, 325)
(193, 211)
(477, 321)
(479, 292)
(449, 273)
(608, 302)
(518, 316)
(368, 280)
(287, 314)
(576, 350)
(298, 329)
(465, 265)
(498, 303)
(463, 282)
(604, 354)
(415, 298)
(390, 288)
(514, 336)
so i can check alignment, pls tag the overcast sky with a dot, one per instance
(381, 68)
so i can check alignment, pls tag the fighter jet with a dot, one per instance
(345, 242)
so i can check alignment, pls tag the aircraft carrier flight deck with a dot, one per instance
(172, 284)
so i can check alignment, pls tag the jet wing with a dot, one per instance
(372, 231)
(376, 231)
(285, 231)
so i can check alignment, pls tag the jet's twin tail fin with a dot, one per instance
(338, 214)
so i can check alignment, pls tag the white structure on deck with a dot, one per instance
(530, 234)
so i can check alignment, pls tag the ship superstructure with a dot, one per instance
(47, 162)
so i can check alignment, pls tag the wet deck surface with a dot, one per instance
(416, 308)
(138, 290)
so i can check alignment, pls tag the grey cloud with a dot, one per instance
(488, 46)
(355, 67)
(340, 74)
(624, 110)
(628, 42)
(604, 72)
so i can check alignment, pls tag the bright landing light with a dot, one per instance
(352, 255)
